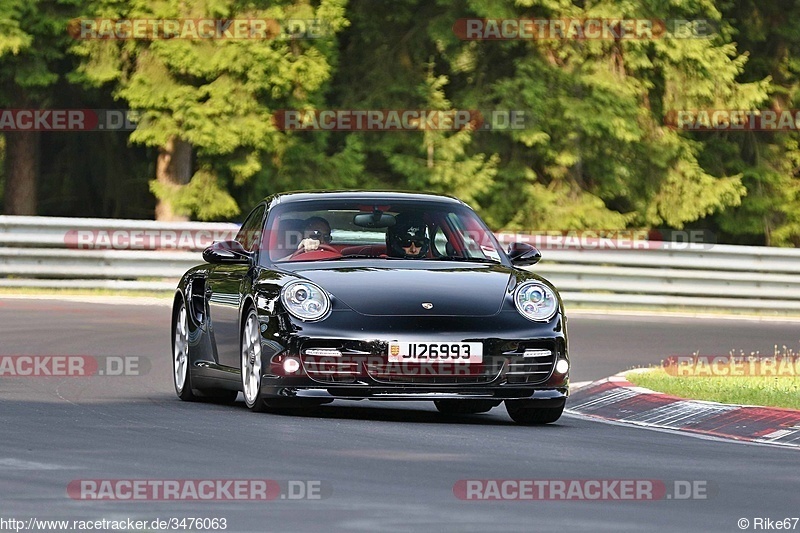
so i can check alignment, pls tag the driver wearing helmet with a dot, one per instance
(407, 238)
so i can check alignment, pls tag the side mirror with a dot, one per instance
(229, 252)
(522, 254)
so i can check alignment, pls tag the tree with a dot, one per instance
(595, 151)
(33, 44)
(393, 62)
(768, 161)
(207, 103)
(441, 164)
(598, 153)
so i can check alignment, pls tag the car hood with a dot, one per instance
(460, 290)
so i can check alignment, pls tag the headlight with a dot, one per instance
(305, 300)
(536, 301)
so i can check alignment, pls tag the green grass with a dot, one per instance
(765, 391)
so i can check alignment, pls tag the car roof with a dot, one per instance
(361, 195)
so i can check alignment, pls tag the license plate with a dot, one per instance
(451, 352)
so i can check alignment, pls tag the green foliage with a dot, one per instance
(2, 168)
(594, 153)
(304, 163)
(769, 162)
(441, 163)
(202, 196)
(562, 207)
(13, 38)
(598, 144)
(33, 39)
(218, 95)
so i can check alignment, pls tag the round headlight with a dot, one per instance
(305, 300)
(536, 301)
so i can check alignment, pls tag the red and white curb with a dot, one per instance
(617, 399)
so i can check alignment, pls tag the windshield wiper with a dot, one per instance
(464, 259)
(357, 256)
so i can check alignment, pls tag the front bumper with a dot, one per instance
(554, 396)
(514, 365)
(504, 375)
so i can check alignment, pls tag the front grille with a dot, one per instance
(430, 374)
(331, 372)
(530, 362)
(327, 369)
(535, 368)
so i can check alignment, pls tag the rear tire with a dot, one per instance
(181, 365)
(464, 407)
(524, 412)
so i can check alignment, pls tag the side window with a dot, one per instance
(440, 244)
(249, 234)
(474, 241)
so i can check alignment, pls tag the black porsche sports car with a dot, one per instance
(370, 295)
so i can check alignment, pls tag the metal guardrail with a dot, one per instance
(52, 252)
(45, 252)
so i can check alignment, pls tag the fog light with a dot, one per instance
(562, 366)
(291, 365)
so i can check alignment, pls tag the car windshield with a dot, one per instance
(340, 230)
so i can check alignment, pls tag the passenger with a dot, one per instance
(407, 238)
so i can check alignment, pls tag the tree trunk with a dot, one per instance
(21, 172)
(173, 170)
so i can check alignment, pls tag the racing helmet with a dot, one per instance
(406, 231)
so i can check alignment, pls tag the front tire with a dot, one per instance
(526, 413)
(251, 365)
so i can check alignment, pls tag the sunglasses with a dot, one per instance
(407, 244)
(319, 236)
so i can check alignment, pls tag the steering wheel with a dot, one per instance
(320, 248)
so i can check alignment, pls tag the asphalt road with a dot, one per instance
(381, 466)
